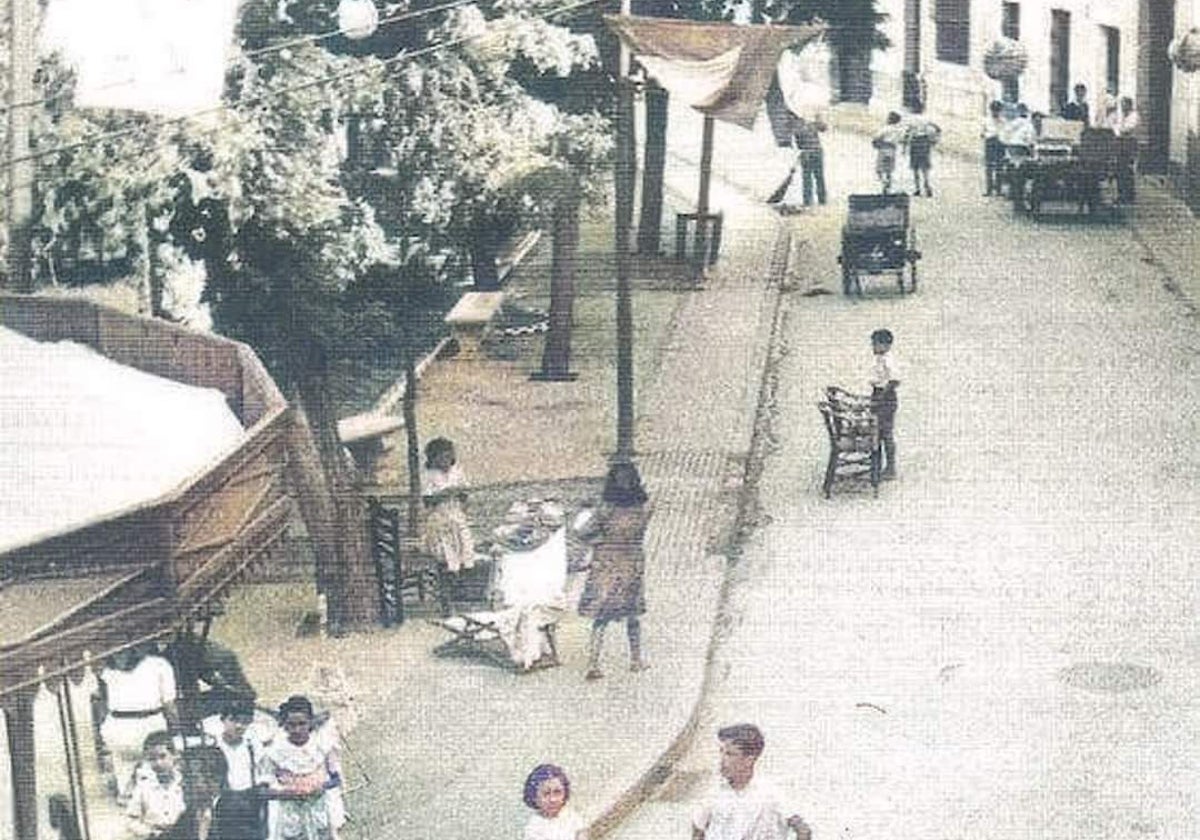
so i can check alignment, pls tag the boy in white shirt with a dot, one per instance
(156, 800)
(885, 378)
(744, 806)
(240, 812)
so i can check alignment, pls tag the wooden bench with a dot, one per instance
(365, 436)
(470, 320)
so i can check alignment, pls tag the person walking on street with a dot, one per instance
(921, 136)
(745, 805)
(807, 141)
(993, 147)
(886, 142)
(613, 588)
(884, 381)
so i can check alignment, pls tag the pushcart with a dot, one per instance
(878, 238)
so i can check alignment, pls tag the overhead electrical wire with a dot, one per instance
(273, 48)
(397, 60)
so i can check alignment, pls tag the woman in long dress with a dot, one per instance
(613, 589)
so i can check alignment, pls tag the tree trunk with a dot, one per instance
(483, 260)
(556, 354)
(650, 225)
(333, 508)
(414, 443)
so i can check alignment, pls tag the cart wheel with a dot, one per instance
(847, 278)
(912, 276)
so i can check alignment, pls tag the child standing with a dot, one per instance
(886, 142)
(156, 801)
(302, 772)
(447, 532)
(547, 790)
(921, 136)
(884, 381)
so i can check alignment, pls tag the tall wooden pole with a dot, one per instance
(624, 184)
(18, 717)
(20, 170)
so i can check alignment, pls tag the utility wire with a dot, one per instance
(403, 58)
(274, 48)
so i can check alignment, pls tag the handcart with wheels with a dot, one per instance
(854, 445)
(878, 238)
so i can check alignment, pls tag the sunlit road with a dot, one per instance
(1003, 643)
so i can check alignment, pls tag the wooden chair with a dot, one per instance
(854, 446)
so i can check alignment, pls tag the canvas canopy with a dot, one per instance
(721, 69)
(85, 437)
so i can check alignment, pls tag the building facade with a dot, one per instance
(1112, 46)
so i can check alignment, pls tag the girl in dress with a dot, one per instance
(613, 588)
(301, 770)
(547, 790)
(447, 533)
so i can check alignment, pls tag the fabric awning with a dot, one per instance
(721, 69)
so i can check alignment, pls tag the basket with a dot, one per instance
(1005, 59)
(1184, 51)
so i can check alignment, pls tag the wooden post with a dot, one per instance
(18, 718)
(20, 171)
(556, 355)
(650, 226)
(624, 181)
(702, 199)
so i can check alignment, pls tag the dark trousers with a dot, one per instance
(239, 815)
(1125, 181)
(812, 171)
(993, 160)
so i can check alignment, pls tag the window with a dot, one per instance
(1010, 27)
(1112, 66)
(953, 20)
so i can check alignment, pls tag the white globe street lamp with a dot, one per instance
(357, 19)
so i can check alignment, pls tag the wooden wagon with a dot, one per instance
(878, 238)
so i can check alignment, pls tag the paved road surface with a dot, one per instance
(1003, 644)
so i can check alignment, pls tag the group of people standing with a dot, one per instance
(1010, 131)
(613, 589)
(277, 781)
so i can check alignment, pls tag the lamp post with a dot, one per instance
(623, 185)
(20, 169)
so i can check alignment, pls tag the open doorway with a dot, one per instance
(1156, 20)
(1060, 59)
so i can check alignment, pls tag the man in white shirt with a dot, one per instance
(744, 806)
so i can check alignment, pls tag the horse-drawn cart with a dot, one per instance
(878, 238)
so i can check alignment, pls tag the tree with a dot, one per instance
(854, 31)
(303, 255)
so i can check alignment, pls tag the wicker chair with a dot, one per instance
(854, 446)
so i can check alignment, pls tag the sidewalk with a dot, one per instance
(447, 743)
